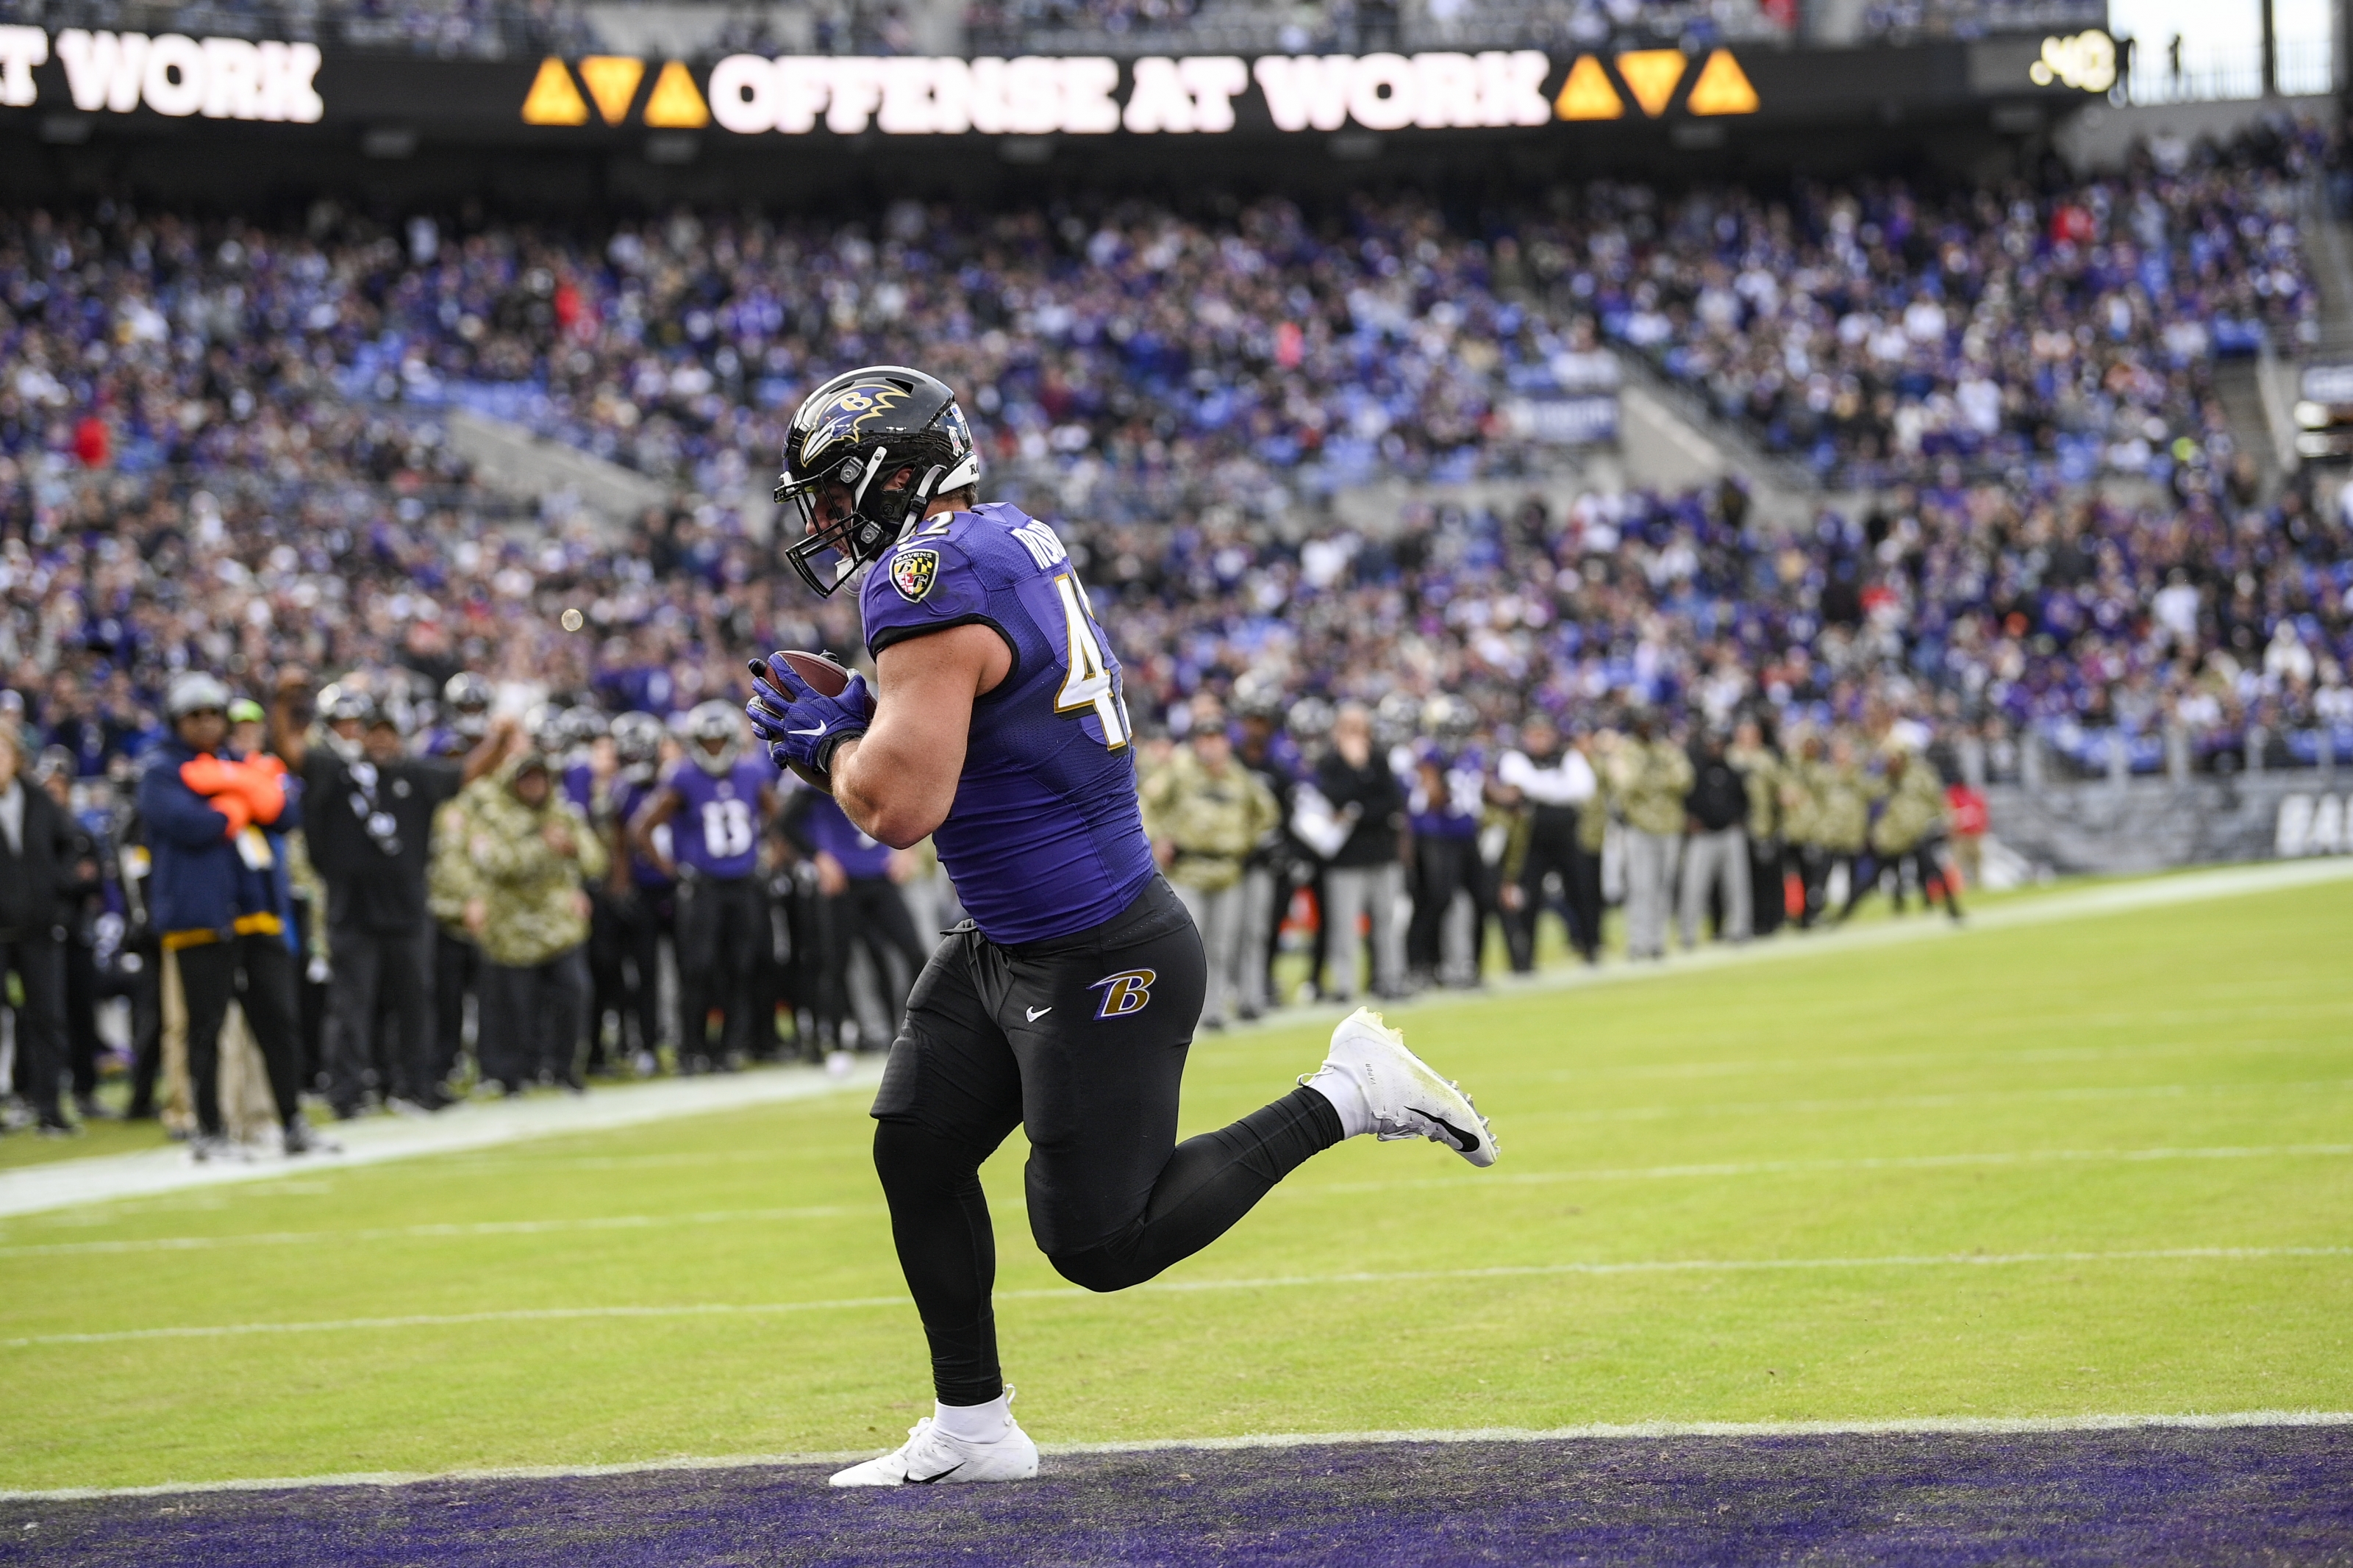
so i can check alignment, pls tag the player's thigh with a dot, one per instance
(1102, 1066)
(951, 1070)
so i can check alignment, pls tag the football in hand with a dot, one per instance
(822, 675)
(827, 678)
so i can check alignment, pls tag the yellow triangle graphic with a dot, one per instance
(1722, 88)
(1651, 76)
(552, 100)
(612, 82)
(1586, 94)
(674, 105)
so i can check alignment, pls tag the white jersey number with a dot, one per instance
(726, 828)
(1089, 683)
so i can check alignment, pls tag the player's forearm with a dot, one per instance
(895, 787)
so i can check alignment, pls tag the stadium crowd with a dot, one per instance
(219, 461)
(1448, 729)
(1136, 361)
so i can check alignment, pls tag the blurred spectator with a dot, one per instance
(1762, 771)
(369, 816)
(1352, 816)
(1965, 812)
(528, 852)
(1554, 783)
(1716, 842)
(42, 863)
(1843, 793)
(1650, 775)
(80, 907)
(1446, 800)
(220, 904)
(1205, 813)
(1910, 834)
(1278, 866)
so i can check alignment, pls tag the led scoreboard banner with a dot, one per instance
(168, 79)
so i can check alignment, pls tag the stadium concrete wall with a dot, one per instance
(2152, 825)
(2099, 137)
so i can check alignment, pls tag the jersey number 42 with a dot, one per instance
(1089, 683)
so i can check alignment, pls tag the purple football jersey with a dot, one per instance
(716, 828)
(629, 795)
(834, 833)
(580, 789)
(1454, 812)
(1045, 837)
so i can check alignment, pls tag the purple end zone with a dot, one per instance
(2268, 1495)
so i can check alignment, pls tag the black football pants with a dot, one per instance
(1081, 1041)
(722, 923)
(870, 913)
(641, 921)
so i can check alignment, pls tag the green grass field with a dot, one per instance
(2063, 1102)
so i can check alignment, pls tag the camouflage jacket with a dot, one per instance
(1648, 782)
(1763, 770)
(1915, 814)
(1214, 822)
(1842, 797)
(449, 878)
(532, 890)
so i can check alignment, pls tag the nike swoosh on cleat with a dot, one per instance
(927, 1480)
(1038, 1012)
(1464, 1142)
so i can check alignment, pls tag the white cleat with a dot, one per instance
(931, 1457)
(1406, 1096)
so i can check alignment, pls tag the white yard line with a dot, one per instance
(495, 1228)
(61, 1183)
(1013, 1201)
(1193, 1286)
(1600, 1432)
(65, 1183)
(1867, 1163)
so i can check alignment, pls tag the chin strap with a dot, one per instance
(919, 502)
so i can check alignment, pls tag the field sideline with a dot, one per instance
(2051, 1170)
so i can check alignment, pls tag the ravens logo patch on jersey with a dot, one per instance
(912, 572)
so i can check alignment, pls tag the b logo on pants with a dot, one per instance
(1125, 993)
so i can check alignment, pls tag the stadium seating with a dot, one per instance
(225, 441)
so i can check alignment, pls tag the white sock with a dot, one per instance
(1347, 1098)
(975, 1423)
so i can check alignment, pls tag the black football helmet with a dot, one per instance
(857, 431)
(466, 699)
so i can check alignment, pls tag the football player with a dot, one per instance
(642, 895)
(720, 800)
(1065, 1004)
